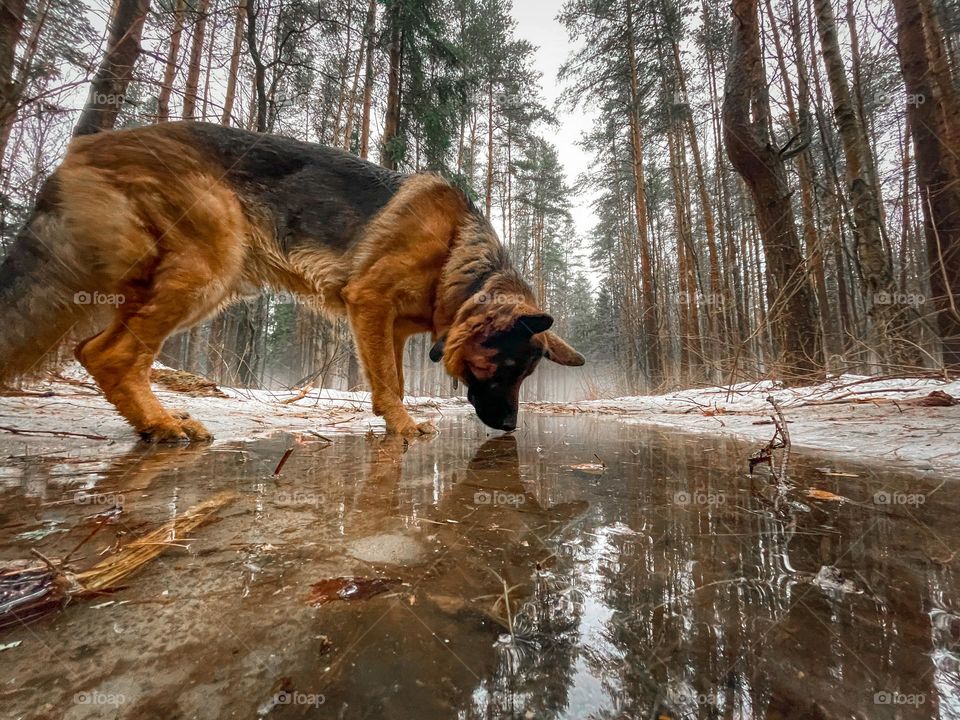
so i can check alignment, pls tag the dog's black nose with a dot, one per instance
(508, 425)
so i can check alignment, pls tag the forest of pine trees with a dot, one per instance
(775, 184)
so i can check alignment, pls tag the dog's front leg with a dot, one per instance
(373, 329)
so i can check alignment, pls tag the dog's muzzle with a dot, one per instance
(493, 409)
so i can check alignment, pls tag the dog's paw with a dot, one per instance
(412, 429)
(403, 426)
(426, 428)
(195, 430)
(164, 434)
(181, 429)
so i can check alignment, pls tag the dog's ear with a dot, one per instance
(436, 352)
(560, 352)
(532, 323)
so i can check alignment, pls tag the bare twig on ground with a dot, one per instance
(283, 461)
(779, 441)
(54, 433)
(304, 391)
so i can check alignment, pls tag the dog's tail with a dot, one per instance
(40, 291)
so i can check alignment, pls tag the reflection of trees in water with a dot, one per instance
(534, 670)
(721, 587)
(713, 609)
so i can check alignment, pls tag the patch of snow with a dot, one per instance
(859, 417)
(69, 401)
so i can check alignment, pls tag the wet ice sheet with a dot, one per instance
(671, 583)
(876, 420)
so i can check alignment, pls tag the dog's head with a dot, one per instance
(494, 344)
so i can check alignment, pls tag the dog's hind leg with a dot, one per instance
(120, 357)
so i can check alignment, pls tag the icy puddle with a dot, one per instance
(577, 569)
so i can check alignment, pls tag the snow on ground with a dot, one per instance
(863, 419)
(70, 402)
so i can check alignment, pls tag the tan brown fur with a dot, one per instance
(478, 320)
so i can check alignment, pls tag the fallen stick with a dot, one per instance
(109, 572)
(779, 441)
(283, 461)
(29, 591)
(299, 396)
(55, 433)
(784, 432)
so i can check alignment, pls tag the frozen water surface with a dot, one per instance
(579, 568)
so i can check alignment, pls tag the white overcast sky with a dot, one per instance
(536, 22)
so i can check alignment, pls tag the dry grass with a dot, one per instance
(110, 572)
(185, 382)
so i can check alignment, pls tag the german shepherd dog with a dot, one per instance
(169, 223)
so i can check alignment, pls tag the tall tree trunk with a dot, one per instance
(11, 27)
(651, 316)
(193, 68)
(231, 92)
(812, 234)
(170, 68)
(391, 123)
(116, 69)
(370, 33)
(715, 299)
(208, 65)
(361, 53)
(800, 121)
(937, 175)
(625, 258)
(687, 295)
(259, 68)
(894, 336)
(748, 139)
(944, 81)
(488, 195)
(342, 68)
